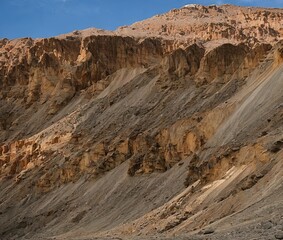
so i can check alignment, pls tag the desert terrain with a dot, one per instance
(171, 128)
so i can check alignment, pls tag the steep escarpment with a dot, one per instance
(80, 62)
(108, 135)
(47, 74)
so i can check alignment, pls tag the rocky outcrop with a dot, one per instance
(58, 68)
(183, 61)
(228, 58)
(212, 23)
(119, 133)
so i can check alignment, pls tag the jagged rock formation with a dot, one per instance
(209, 23)
(179, 133)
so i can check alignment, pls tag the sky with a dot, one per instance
(47, 18)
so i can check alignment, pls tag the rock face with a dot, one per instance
(210, 23)
(161, 128)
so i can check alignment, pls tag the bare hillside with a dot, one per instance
(171, 128)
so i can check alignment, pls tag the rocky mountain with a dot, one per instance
(195, 22)
(170, 128)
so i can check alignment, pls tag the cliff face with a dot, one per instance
(44, 66)
(105, 135)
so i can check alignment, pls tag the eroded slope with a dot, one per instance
(108, 135)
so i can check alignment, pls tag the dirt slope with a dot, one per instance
(115, 135)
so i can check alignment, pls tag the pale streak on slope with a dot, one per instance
(119, 79)
(260, 101)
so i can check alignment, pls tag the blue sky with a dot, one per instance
(46, 18)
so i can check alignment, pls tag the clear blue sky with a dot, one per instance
(45, 18)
